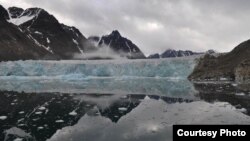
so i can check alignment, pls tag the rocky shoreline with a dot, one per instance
(233, 66)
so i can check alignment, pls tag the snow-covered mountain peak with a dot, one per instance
(19, 16)
(121, 45)
(32, 12)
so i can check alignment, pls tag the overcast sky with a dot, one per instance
(155, 25)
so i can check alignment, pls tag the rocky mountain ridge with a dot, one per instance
(232, 66)
(43, 32)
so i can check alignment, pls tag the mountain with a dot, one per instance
(3, 13)
(16, 45)
(154, 56)
(45, 30)
(120, 45)
(170, 53)
(230, 66)
(62, 41)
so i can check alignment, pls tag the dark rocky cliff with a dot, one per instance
(222, 67)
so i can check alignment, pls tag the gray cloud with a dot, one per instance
(156, 25)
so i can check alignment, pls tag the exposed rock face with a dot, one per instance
(154, 56)
(45, 30)
(15, 12)
(15, 45)
(208, 69)
(3, 13)
(242, 72)
(223, 67)
(35, 34)
(121, 45)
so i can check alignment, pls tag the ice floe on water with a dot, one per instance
(40, 128)
(240, 94)
(3, 117)
(122, 109)
(38, 113)
(21, 112)
(73, 113)
(19, 134)
(59, 121)
(42, 108)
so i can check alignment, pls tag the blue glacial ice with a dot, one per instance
(162, 77)
(109, 68)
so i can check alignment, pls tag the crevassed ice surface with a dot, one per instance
(161, 76)
(179, 67)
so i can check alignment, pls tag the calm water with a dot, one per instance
(111, 108)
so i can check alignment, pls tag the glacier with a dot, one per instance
(160, 77)
(172, 68)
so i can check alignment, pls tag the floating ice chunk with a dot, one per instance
(234, 84)
(122, 109)
(21, 125)
(36, 119)
(16, 132)
(240, 94)
(73, 113)
(20, 120)
(3, 117)
(42, 108)
(46, 112)
(18, 139)
(22, 112)
(38, 113)
(223, 79)
(40, 128)
(37, 32)
(48, 41)
(59, 121)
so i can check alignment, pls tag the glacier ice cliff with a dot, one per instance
(161, 77)
(139, 68)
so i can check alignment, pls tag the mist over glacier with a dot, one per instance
(160, 77)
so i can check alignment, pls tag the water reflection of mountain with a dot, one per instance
(41, 115)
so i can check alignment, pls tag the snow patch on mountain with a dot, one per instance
(21, 20)
(77, 45)
(26, 16)
(36, 42)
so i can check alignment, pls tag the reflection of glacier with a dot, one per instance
(166, 76)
